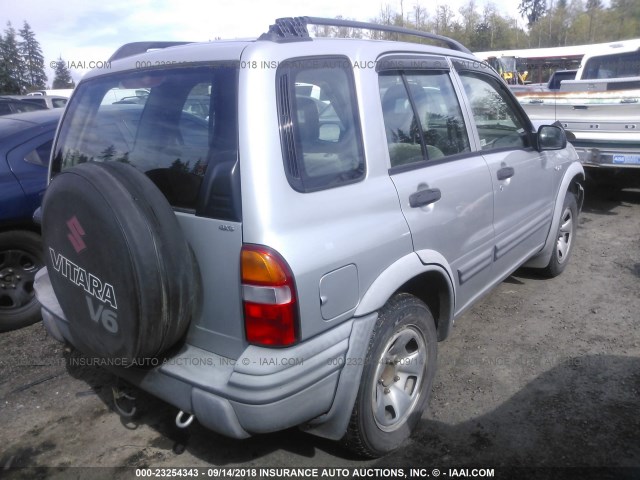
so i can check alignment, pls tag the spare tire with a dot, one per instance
(119, 263)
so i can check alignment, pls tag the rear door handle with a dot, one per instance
(425, 197)
(505, 172)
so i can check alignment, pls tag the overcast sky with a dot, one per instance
(86, 31)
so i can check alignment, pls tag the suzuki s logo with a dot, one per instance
(76, 234)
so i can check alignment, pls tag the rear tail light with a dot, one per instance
(269, 298)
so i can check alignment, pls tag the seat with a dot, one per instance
(400, 125)
(308, 121)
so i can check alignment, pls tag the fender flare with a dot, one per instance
(402, 271)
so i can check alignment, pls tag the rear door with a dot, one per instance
(523, 179)
(444, 187)
(191, 156)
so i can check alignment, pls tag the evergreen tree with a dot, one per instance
(4, 74)
(62, 77)
(32, 58)
(12, 72)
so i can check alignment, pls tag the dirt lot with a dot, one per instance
(540, 373)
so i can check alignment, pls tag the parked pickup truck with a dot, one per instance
(600, 107)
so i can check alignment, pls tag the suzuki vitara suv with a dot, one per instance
(291, 252)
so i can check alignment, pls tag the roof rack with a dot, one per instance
(295, 28)
(134, 48)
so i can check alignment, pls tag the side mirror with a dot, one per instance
(551, 137)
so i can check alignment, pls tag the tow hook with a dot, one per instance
(118, 397)
(180, 422)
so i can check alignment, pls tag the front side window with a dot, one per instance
(422, 116)
(319, 126)
(499, 124)
(170, 124)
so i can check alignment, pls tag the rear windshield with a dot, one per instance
(172, 124)
(618, 65)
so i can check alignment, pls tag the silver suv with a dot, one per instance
(290, 252)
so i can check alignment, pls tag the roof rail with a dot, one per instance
(134, 48)
(290, 29)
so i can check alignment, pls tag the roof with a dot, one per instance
(32, 98)
(267, 53)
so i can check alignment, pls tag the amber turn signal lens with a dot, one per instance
(259, 267)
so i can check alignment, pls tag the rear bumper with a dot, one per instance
(264, 390)
(604, 157)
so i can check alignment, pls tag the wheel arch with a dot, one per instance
(427, 276)
(26, 226)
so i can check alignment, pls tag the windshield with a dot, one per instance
(170, 124)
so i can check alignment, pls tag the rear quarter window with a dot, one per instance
(319, 126)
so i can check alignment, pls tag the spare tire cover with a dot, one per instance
(119, 264)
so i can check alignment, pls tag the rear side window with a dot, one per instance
(422, 116)
(171, 124)
(319, 125)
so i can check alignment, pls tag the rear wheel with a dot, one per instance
(20, 259)
(397, 378)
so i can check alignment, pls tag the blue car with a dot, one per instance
(25, 145)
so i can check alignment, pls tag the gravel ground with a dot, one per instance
(541, 373)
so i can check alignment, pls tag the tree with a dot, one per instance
(532, 10)
(551, 23)
(470, 21)
(12, 72)
(626, 15)
(444, 20)
(32, 59)
(419, 16)
(559, 23)
(62, 78)
(593, 8)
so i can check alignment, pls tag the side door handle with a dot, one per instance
(425, 197)
(505, 172)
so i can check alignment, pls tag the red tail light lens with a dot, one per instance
(268, 292)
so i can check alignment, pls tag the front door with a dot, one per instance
(523, 179)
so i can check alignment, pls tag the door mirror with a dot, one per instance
(551, 137)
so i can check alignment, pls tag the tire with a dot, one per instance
(20, 259)
(565, 237)
(393, 394)
(119, 264)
